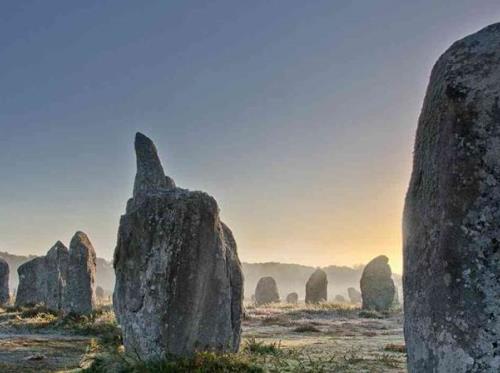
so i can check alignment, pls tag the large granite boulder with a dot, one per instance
(292, 298)
(354, 295)
(32, 283)
(377, 286)
(55, 272)
(79, 293)
(316, 287)
(451, 230)
(4, 282)
(266, 291)
(179, 285)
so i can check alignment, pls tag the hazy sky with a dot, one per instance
(297, 116)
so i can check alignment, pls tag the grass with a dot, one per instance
(308, 328)
(253, 346)
(400, 348)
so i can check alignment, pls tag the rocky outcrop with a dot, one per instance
(354, 295)
(451, 230)
(377, 286)
(316, 287)
(79, 294)
(4, 282)
(266, 291)
(179, 285)
(292, 298)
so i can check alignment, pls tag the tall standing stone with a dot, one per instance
(266, 291)
(56, 272)
(179, 285)
(32, 283)
(451, 229)
(317, 287)
(4, 282)
(377, 286)
(79, 293)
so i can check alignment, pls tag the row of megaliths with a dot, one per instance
(63, 280)
(179, 284)
(451, 228)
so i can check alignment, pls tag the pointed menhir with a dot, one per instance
(150, 176)
(179, 285)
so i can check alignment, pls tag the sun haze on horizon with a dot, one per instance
(299, 120)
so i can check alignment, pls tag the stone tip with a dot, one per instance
(80, 238)
(150, 175)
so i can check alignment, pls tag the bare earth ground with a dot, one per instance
(323, 338)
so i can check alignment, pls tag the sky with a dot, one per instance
(297, 116)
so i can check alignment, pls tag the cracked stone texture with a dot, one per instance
(377, 286)
(451, 229)
(316, 287)
(4, 282)
(42, 280)
(266, 291)
(179, 285)
(354, 295)
(79, 294)
(292, 298)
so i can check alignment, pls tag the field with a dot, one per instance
(276, 338)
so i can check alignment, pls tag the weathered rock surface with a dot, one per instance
(4, 282)
(32, 287)
(316, 287)
(377, 286)
(354, 295)
(55, 272)
(292, 298)
(179, 285)
(451, 229)
(79, 293)
(266, 291)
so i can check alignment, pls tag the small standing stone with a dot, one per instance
(79, 294)
(292, 298)
(339, 298)
(377, 286)
(316, 287)
(266, 291)
(4, 282)
(354, 295)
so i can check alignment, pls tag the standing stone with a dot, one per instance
(32, 283)
(354, 295)
(179, 285)
(79, 294)
(339, 298)
(451, 230)
(377, 286)
(4, 282)
(292, 298)
(55, 271)
(316, 287)
(266, 291)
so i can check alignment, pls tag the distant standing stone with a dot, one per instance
(32, 283)
(4, 282)
(354, 295)
(316, 287)
(451, 229)
(79, 294)
(266, 291)
(339, 298)
(292, 298)
(179, 285)
(56, 272)
(377, 286)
